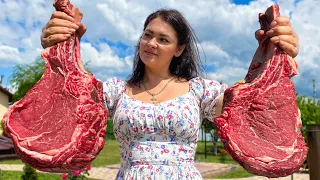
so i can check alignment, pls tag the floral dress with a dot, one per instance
(159, 141)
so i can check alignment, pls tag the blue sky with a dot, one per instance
(225, 30)
(240, 2)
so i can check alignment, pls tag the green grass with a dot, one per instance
(110, 154)
(238, 173)
(211, 158)
(14, 175)
(13, 161)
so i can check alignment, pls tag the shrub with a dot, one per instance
(29, 173)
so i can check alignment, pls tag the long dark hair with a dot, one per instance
(188, 64)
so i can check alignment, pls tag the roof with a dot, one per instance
(5, 143)
(4, 90)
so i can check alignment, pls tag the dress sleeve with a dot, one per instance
(112, 89)
(212, 90)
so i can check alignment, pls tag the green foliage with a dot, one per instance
(310, 112)
(1, 175)
(25, 76)
(29, 173)
(2, 129)
(209, 127)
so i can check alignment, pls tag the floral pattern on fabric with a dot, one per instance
(159, 141)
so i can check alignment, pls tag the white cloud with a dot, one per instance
(228, 75)
(104, 58)
(9, 54)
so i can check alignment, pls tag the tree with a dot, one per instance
(25, 76)
(209, 127)
(310, 111)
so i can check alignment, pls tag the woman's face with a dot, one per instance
(158, 44)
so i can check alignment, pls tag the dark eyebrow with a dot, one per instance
(162, 35)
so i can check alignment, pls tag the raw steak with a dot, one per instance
(60, 125)
(260, 124)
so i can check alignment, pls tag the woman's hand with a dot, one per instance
(282, 34)
(59, 28)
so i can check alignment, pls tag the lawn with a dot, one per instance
(238, 173)
(211, 158)
(14, 175)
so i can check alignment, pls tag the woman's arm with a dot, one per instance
(219, 106)
(59, 28)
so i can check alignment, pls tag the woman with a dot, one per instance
(158, 110)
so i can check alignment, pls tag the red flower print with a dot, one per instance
(191, 125)
(207, 93)
(142, 108)
(181, 149)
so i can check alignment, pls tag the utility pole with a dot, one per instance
(314, 91)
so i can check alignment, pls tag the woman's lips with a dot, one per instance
(150, 53)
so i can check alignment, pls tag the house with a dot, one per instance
(5, 99)
(6, 145)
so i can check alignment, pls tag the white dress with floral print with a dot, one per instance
(158, 141)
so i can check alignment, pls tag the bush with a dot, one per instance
(2, 128)
(29, 173)
(1, 175)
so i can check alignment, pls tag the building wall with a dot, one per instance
(4, 101)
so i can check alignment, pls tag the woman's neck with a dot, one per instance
(153, 78)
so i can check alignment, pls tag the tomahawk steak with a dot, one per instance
(60, 125)
(260, 124)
